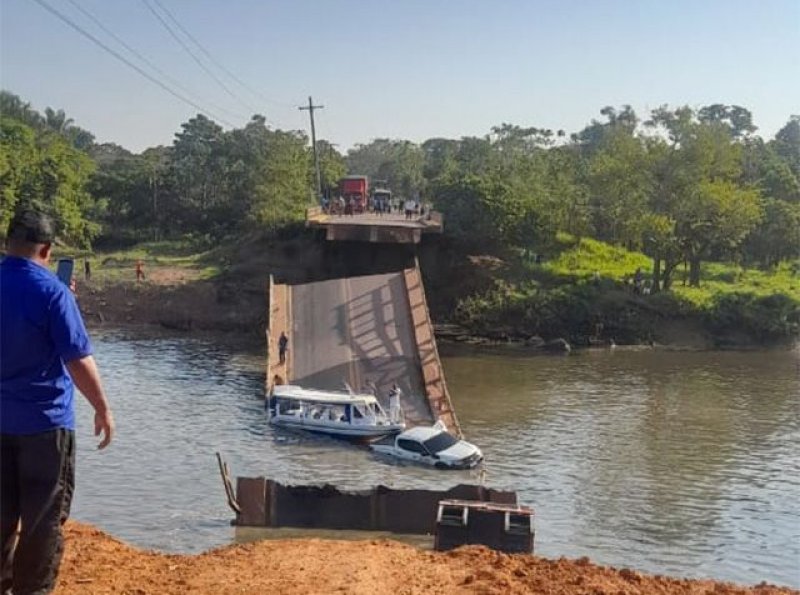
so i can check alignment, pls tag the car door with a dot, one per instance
(411, 449)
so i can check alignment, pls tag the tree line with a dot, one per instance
(682, 185)
(209, 183)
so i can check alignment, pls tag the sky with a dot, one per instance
(410, 69)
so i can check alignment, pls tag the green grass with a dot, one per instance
(579, 260)
(718, 279)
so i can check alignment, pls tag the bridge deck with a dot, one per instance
(363, 330)
(389, 227)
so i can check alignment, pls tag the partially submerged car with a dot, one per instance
(430, 445)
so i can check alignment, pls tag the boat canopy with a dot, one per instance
(298, 393)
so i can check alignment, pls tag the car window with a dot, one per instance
(410, 445)
(440, 442)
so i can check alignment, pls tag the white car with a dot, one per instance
(430, 445)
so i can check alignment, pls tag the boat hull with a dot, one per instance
(344, 430)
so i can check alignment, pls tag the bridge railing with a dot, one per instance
(429, 360)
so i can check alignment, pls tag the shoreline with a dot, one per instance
(97, 563)
(213, 307)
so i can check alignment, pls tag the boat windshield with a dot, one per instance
(440, 442)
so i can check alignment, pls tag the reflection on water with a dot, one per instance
(676, 463)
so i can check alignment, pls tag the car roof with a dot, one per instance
(421, 433)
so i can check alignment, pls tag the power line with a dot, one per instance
(123, 59)
(199, 62)
(219, 65)
(144, 59)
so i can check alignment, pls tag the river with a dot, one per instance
(678, 463)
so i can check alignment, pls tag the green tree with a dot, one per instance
(41, 170)
(719, 217)
(787, 144)
(197, 168)
(285, 190)
(620, 183)
(332, 165)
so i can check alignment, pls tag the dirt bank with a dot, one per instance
(96, 563)
(174, 299)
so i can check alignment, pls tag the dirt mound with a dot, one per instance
(97, 563)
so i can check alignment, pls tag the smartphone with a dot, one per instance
(64, 270)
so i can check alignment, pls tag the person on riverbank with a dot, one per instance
(139, 270)
(46, 352)
(283, 345)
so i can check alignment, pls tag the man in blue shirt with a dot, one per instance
(44, 352)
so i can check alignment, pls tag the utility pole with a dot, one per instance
(311, 107)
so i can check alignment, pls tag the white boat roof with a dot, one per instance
(292, 391)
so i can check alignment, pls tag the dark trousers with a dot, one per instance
(36, 486)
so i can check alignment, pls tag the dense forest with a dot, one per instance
(682, 186)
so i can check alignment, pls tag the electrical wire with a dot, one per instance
(127, 62)
(219, 65)
(147, 61)
(199, 62)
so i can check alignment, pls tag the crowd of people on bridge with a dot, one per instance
(352, 205)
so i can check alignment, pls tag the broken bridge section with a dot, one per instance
(369, 331)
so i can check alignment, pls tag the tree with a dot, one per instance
(57, 121)
(787, 144)
(737, 119)
(332, 165)
(778, 236)
(699, 188)
(196, 167)
(41, 170)
(620, 183)
(285, 189)
(719, 217)
(11, 106)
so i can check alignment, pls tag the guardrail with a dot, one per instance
(429, 360)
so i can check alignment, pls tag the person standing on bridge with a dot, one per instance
(283, 345)
(409, 207)
(46, 353)
(395, 408)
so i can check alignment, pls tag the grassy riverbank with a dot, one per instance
(584, 293)
(96, 563)
(581, 292)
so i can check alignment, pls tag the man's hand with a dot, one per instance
(86, 377)
(104, 422)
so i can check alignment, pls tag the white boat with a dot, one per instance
(430, 445)
(329, 412)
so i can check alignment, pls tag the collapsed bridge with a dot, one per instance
(370, 330)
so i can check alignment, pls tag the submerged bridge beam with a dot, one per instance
(369, 331)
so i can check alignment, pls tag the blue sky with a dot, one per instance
(410, 69)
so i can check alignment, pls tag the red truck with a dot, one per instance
(355, 191)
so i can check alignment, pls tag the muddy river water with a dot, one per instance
(680, 463)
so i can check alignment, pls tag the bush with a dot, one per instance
(766, 318)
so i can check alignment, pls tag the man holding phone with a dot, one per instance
(44, 352)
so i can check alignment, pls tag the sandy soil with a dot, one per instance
(97, 563)
(174, 298)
